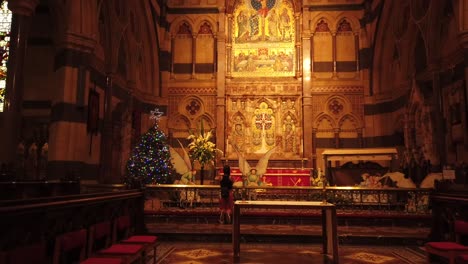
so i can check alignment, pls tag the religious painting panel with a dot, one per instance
(290, 138)
(263, 39)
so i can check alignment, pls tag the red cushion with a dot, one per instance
(463, 257)
(122, 249)
(72, 240)
(141, 239)
(102, 261)
(446, 246)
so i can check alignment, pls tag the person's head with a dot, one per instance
(226, 170)
(253, 171)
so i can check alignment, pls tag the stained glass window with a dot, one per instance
(5, 28)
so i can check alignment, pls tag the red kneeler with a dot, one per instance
(462, 259)
(449, 249)
(122, 227)
(71, 248)
(101, 234)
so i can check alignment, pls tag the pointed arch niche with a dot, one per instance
(204, 59)
(322, 51)
(182, 51)
(334, 47)
(346, 49)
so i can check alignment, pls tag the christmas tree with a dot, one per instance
(150, 162)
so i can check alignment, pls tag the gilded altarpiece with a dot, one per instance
(257, 123)
(263, 39)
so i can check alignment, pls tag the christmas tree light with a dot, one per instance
(150, 162)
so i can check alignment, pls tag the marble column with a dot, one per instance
(221, 74)
(22, 11)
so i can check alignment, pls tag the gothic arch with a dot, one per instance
(200, 21)
(266, 101)
(179, 122)
(321, 117)
(180, 21)
(242, 118)
(322, 16)
(291, 114)
(208, 122)
(350, 19)
(353, 118)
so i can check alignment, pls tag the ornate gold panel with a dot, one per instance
(263, 34)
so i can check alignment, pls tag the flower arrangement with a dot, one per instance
(201, 148)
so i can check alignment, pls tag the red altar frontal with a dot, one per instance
(278, 176)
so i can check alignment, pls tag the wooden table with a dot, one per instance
(329, 234)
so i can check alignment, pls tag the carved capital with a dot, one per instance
(23, 7)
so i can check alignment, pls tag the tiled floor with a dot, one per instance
(375, 235)
(218, 253)
(199, 240)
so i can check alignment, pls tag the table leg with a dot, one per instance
(334, 236)
(236, 231)
(324, 232)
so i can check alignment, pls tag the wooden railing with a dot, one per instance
(408, 201)
(449, 203)
(33, 220)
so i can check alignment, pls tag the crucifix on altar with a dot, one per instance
(263, 122)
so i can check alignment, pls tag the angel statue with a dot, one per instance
(183, 166)
(253, 176)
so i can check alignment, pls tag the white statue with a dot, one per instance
(399, 179)
(253, 176)
(183, 166)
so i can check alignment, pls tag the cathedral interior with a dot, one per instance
(300, 75)
(331, 86)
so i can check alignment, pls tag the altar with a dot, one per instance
(278, 176)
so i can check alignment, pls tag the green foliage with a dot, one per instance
(201, 148)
